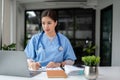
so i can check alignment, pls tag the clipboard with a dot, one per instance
(56, 74)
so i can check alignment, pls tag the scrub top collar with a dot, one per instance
(40, 38)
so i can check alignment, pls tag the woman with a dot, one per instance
(49, 48)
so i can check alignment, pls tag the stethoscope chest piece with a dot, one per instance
(60, 48)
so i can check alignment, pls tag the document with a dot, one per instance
(43, 69)
(62, 72)
(73, 70)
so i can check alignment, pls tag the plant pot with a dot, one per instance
(91, 73)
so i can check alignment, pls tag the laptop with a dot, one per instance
(14, 63)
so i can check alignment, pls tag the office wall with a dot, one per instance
(9, 22)
(0, 21)
(6, 23)
(44, 5)
(116, 33)
(20, 26)
(116, 28)
(12, 21)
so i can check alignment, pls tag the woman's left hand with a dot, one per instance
(53, 65)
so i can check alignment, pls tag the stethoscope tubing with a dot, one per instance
(39, 41)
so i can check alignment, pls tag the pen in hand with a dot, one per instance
(62, 67)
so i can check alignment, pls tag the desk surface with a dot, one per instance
(105, 73)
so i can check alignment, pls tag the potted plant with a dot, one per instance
(91, 62)
(89, 49)
(11, 46)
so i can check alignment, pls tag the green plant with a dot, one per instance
(9, 47)
(91, 60)
(89, 49)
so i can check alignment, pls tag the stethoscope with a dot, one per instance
(39, 41)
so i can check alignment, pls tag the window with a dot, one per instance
(32, 25)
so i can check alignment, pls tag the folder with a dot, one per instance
(56, 74)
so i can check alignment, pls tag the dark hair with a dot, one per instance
(50, 13)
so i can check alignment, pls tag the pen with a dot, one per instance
(62, 67)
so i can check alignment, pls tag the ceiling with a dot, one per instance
(43, 4)
(30, 1)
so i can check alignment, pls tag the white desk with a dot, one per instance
(109, 73)
(105, 73)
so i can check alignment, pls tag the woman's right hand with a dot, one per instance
(53, 65)
(33, 65)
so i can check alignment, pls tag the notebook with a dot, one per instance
(56, 74)
(14, 63)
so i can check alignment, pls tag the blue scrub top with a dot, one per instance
(34, 49)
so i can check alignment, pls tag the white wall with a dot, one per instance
(0, 21)
(116, 28)
(6, 23)
(13, 21)
(9, 22)
(116, 33)
(20, 27)
(44, 5)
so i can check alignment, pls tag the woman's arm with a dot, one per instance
(67, 62)
(53, 64)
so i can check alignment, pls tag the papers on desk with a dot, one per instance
(58, 68)
(73, 71)
(69, 71)
(43, 69)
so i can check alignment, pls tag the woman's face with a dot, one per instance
(48, 24)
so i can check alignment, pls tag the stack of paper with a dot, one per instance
(73, 71)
